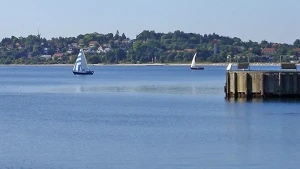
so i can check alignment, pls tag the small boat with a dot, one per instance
(194, 66)
(80, 66)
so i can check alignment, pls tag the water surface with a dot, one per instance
(136, 117)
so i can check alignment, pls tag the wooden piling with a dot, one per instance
(280, 83)
(227, 84)
(295, 78)
(262, 85)
(246, 87)
(235, 84)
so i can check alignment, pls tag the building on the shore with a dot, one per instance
(58, 56)
(268, 51)
(46, 56)
(215, 46)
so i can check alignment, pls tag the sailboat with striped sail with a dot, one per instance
(80, 66)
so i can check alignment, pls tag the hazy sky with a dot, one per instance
(256, 20)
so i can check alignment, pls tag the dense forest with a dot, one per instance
(147, 47)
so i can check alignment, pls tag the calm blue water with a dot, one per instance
(133, 117)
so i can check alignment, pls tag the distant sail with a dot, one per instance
(229, 66)
(194, 61)
(194, 66)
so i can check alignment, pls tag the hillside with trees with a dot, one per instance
(147, 47)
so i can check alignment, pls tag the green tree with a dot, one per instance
(117, 36)
(296, 43)
(256, 51)
(120, 55)
(123, 36)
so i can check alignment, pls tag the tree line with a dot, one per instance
(148, 46)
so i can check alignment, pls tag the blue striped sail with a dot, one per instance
(80, 64)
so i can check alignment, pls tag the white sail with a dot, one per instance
(194, 61)
(81, 63)
(229, 66)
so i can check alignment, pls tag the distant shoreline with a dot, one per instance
(148, 64)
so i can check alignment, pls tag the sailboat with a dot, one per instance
(194, 66)
(80, 66)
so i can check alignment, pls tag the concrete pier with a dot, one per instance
(262, 84)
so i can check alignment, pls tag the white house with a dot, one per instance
(46, 56)
(103, 49)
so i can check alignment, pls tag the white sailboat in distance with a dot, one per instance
(194, 66)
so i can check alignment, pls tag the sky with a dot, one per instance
(276, 21)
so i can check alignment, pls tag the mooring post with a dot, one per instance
(246, 85)
(280, 83)
(235, 85)
(228, 84)
(262, 84)
(287, 84)
(295, 79)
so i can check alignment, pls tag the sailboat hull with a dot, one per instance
(197, 68)
(83, 73)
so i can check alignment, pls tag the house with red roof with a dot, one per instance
(268, 51)
(58, 56)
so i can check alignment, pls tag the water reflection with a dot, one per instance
(282, 100)
(266, 100)
(79, 89)
(244, 100)
(258, 124)
(163, 89)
